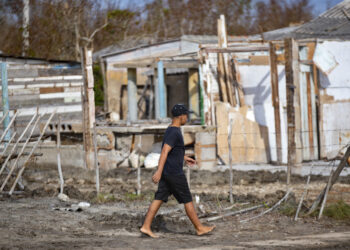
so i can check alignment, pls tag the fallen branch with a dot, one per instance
(334, 178)
(270, 209)
(235, 213)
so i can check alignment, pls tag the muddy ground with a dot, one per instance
(36, 219)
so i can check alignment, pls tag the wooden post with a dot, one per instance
(232, 82)
(105, 84)
(290, 88)
(230, 155)
(222, 42)
(162, 95)
(132, 95)
(139, 187)
(193, 91)
(239, 87)
(96, 161)
(275, 100)
(156, 94)
(201, 95)
(5, 101)
(88, 105)
(309, 115)
(59, 154)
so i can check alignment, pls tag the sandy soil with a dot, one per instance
(36, 219)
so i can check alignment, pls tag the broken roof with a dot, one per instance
(332, 24)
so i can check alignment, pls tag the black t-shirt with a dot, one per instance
(174, 162)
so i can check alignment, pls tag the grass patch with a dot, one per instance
(338, 211)
(288, 209)
(104, 198)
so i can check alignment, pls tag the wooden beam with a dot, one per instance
(89, 105)
(290, 88)
(236, 49)
(275, 100)
(309, 115)
(221, 66)
(238, 86)
(193, 91)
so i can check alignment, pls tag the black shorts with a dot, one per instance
(173, 185)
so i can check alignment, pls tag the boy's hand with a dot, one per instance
(189, 161)
(156, 177)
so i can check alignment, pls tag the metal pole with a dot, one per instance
(161, 91)
(5, 99)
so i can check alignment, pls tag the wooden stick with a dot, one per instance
(13, 167)
(96, 161)
(4, 116)
(325, 195)
(8, 127)
(335, 176)
(31, 152)
(234, 213)
(7, 145)
(302, 197)
(230, 156)
(270, 209)
(139, 169)
(16, 144)
(59, 154)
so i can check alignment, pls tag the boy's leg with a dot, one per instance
(191, 213)
(152, 211)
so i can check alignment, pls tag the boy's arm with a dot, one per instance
(189, 161)
(163, 155)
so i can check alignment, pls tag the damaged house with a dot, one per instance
(243, 80)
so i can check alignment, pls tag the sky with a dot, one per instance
(320, 6)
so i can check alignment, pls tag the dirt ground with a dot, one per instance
(36, 219)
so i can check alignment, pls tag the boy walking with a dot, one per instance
(170, 176)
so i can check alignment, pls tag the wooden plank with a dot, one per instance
(231, 83)
(221, 66)
(236, 49)
(30, 154)
(193, 91)
(238, 85)
(51, 90)
(275, 101)
(309, 115)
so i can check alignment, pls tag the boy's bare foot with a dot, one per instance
(148, 232)
(204, 230)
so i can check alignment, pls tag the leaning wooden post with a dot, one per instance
(275, 100)
(333, 178)
(89, 105)
(96, 161)
(59, 154)
(230, 156)
(325, 195)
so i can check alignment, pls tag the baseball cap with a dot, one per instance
(180, 109)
